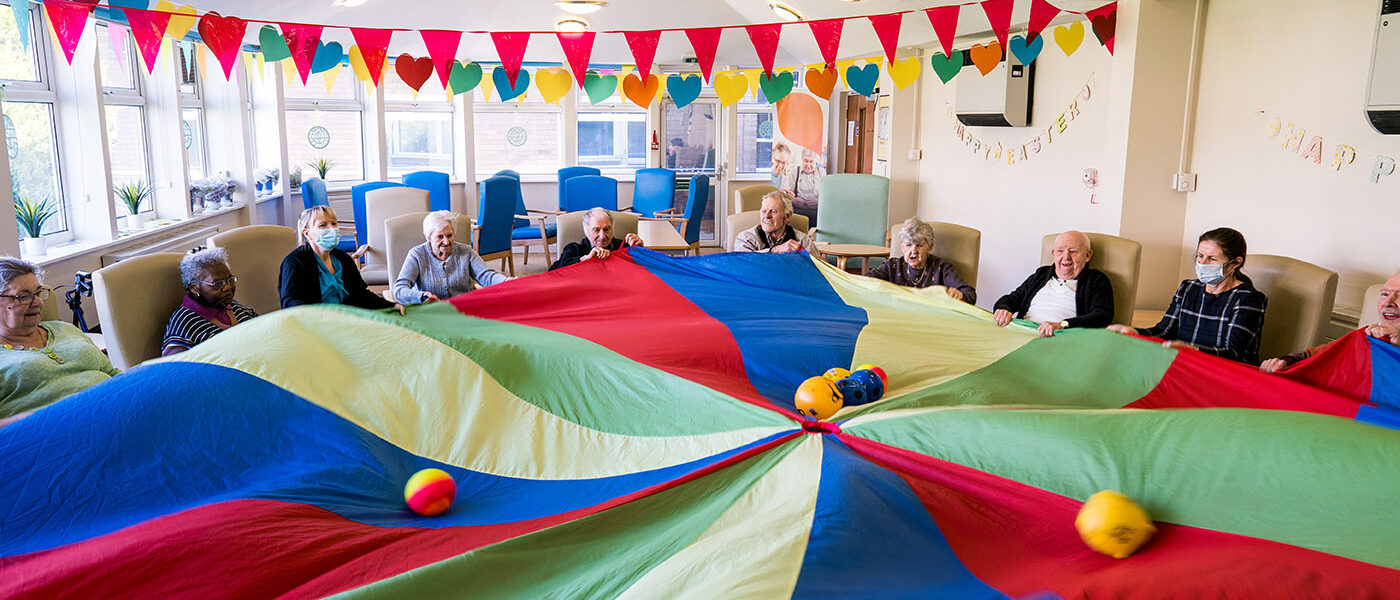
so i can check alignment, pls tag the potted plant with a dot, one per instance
(321, 166)
(132, 195)
(32, 216)
(295, 179)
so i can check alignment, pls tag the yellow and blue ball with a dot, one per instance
(878, 371)
(430, 492)
(817, 398)
(836, 374)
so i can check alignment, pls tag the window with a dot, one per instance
(345, 88)
(326, 125)
(755, 149)
(28, 123)
(193, 135)
(126, 146)
(527, 140)
(116, 74)
(612, 140)
(418, 141)
(18, 65)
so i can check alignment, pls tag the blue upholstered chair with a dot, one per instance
(529, 227)
(695, 204)
(357, 203)
(589, 191)
(568, 173)
(496, 219)
(436, 183)
(855, 209)
(654, 191)
(313, 193)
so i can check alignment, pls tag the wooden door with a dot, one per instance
(859, 134)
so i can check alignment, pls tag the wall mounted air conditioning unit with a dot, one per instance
(1383, 93)
(1001, 99)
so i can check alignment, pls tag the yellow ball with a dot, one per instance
(430, 492)
(1113, 524)
(836, 374)
(817, 397)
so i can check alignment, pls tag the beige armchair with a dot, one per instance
(135, 299)
(381, 205)
(1118, 258)
(738, 222)
(750, 197)
(255, 256)
(1369, 314)
(1301, 296)
(403, 232)
(961, 246)
(570, 226)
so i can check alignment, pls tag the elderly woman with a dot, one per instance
(773, 234)
(40, 362)
(1219, 312)
(441, 267)
(316, 272)
(919, 268)
(208, 306)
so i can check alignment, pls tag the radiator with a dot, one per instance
(175, 242)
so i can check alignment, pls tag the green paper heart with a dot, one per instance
(947, 67)
(599, 87)
(464, 77)
(775, 87)
(274, 46)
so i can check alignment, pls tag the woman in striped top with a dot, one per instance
(208, 306)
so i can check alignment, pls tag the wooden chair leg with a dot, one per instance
(527, 253)
(548, 259)
(509, 260)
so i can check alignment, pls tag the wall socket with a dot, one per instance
(1184, 182)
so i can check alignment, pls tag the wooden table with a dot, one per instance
(844, 252)
(662, 236)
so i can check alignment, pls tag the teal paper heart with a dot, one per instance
(775, 87)
(274, 46)
(464, 78)
(947, 67)
(599, 87)
(502, 81)
(862, 79)
(327, 57)
(683, 90)
(1026, 53)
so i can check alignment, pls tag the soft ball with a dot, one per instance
(872, 383)
(852, 392)
(430, 492)
(817, 398)
(1113, 524)
(878, 371)
(836, 374)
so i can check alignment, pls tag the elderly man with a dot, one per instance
(773, 234)
(597, 242)
(1388, 329)
(1063, 294)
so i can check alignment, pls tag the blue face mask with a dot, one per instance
(327, 238)
(1210, 274)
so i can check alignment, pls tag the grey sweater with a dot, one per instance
(422, 273)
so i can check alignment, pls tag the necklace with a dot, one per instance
(46, 351)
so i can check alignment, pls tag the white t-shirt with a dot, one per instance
(1054, 302)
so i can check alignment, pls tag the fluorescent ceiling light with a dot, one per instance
(785, 12)
(581, 7)
(348, 3)
(571, 25)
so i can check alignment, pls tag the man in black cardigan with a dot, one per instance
(598, 241)
(1063, 294)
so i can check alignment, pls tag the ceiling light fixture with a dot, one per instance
(786, 13)
(581, 7)
(571, 25)
(348, 3)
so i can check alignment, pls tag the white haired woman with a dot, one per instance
(40, 362)
(919, 268)
(441, 267)
(208, 306)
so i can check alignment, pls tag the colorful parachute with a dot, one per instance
(624, 428)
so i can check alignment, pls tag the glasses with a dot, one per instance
(27, 297)
(220, 284)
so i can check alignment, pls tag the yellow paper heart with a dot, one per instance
(904, 72)
(331, 75)
(731, 88)
(553, 83)
(1068, 37)
(182, 20)
(357, 64)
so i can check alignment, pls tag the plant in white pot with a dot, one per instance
(32, 216)
(322, 166)
(132, 195)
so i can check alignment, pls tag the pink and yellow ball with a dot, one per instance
(430, 492)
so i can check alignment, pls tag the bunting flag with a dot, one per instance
(302, 42)
(1042, 13)
(765, 43)
(643, 47)
(116, 36)
(828, 36)
(705, 42)
(945, 25)
(999, 15)
(224, 36)
(442, 48)
(578, 49)
(374, 49)
(887, 29)
(69, 19)
(510, 47)
(148, 29)
(413, 71)
(1104, 21)
(21, 12)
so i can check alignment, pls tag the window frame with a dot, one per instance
(357, 105)
(41, 92)
(617, 106)
(750, 106)
(558, 110)
(435, 106)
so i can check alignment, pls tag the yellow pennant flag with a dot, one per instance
(248, 63)
(841, 66)
(261, 63)
(289, 71)
(357, 64)
(200, 58)
(622, 73)
(752, 76)
(486, 86)
(330, 76)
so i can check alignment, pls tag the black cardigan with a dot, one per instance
(573, 253)
(300, 281)
(1093, 297)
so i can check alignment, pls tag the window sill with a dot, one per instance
(59, 253)
(267, 198)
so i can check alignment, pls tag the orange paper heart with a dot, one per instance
(986, 57)
(639, 93)
(821, 82)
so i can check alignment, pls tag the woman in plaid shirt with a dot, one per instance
(1219, 312)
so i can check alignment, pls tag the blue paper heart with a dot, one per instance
(327, 57)
(502, 81)
(683, 90)
(863, 79)
(1026, 53)
(103, 12)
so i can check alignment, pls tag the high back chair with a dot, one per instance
(653, 191)
(854, 209)
(437, 186)
(357, 203)
(589, 191)
(958, 245)
(1301, 296)
(380, 206)
(135, 298)
(255, 256)
(1118, 258)
(1369, 314)
(530, 226)
(739, 222)
(750, 197)
(695, 204)
(571, 225)
(493, 239)
(313, 193)
(404, 232)
(567, 173)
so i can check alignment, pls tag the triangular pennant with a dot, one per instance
(752, 76)
(578, 48)
(69, 19)
(302, 42)
(487, 84)
(999, 14)
(200, 58)
(705, 42)
(21, 12)
(1042, 13)
(510, 47)
(289, 72)
(374, 48)
(116, 35)
(887, 28)
(330, 76)
(828, 34)
(841, 68)
(945, 25)
(148, 29)
(765, 42)
(442, 48)
(643, 46)
(1104, 21)
(224, 36)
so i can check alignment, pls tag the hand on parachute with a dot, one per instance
(1002, 317)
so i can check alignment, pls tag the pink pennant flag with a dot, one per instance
(999, 14)
(643, 46)
(442, 48)
(69, 19)
(1042, 13)
(148, 29)
(1104, 21)
(510, 46)
(224, 36)
(374, 48)
(945, 25)
(578, 48)
(302, 41)
(705, 42)
(116, 34)
(828, 34)
(765, 42)
(887, 28)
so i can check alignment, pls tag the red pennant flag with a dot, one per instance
(510, 46)
(1042, 13)
(643, 45)
(442, 48)
(578, 48)
(148, 28)
(887, 28)
(765, 42)
(374, 48)
(705, 42)
(828, 34)
(945, 25)
(302, 41)
(224, 36)
(1104, 21)
(999, 14)
(69, 19)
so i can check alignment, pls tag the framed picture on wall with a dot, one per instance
(882, 129)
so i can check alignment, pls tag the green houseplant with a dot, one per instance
(32, 216)
(321, 166)
(132, 194)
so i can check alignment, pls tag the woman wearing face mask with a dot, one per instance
(1219, 312)
(319, 273)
